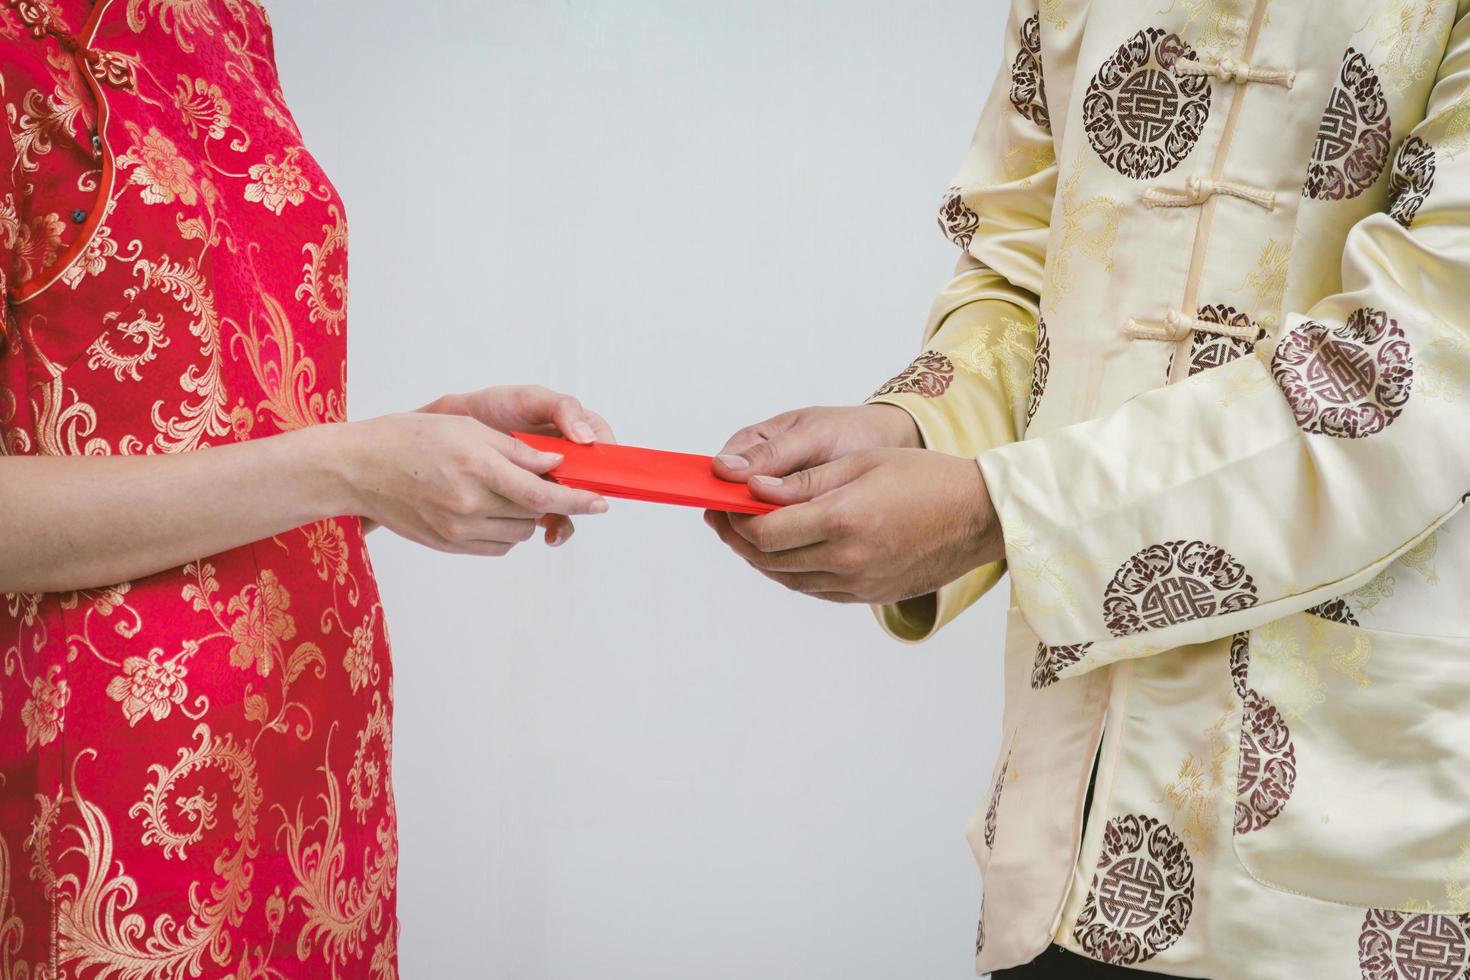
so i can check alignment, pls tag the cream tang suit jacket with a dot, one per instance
(1209, 339)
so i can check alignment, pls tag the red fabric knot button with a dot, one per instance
(34, 15)
(110, 68)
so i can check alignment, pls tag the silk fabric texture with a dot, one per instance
(197, 765)
(1207, 339)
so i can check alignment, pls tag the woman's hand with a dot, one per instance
(531, 408)
(455, 484)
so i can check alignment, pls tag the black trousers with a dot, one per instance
(1058, 964)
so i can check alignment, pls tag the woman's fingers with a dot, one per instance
(540, 497)
(531, 460)
(559, 529)
(602, 429)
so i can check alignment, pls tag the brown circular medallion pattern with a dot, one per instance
(929, 376)
(1028, 81)
(1140, 117)
(1040, 370)
(1210, 350)
(1350, 381)
(1353, 139)
(1051, 661)
(1336, 610)
(1267, 770)
(1411, 180)
(993, 807)
(1175, 582)
(1142, 895)
(956, 219)
(1240, 661)
(1414, 946)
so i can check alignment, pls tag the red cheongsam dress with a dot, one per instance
(196, 766)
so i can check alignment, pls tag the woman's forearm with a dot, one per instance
(73, 522)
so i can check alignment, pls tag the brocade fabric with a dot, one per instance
(1209, 341)
(196, 765)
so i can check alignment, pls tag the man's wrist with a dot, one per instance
(897, 427)
(987, 544)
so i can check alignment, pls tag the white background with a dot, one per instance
(634, 758)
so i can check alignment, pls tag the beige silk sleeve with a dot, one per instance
(1278, 481)
(969, 390)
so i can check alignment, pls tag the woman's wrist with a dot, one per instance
(451, 404)
(333, 463)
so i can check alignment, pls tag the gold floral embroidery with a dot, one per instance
(39, 245)
(289, 383)
(328, 546)
(198, 420)
(149, 686)
(100, 249)
(1220, 29)
(365, 778)
(1444, 368)
(1268, 281)
(360, 659)
(1090, 225)
(43, 118)
(181, 18)
(1407, 39)
(1195, 794)
(278, 184)
(1288, 657)
(93, 934)
(340, 911)
(1052, 11)
(263, 624)
(203, 107)
(44, 713)
(158, 168)
(1002, 349)
(147, 337)
(12, 925)
(326, 292)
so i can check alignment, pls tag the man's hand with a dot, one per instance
(811, 436)
(874, 527)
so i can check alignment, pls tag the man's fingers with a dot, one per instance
(822, 585)
(807, 484)
(783, 530)
(732, 462)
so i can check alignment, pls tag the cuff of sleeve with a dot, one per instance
(978, 408)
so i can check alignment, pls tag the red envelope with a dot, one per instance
(660, 477)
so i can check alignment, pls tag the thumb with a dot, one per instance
(531, 460)
(804, 485)
(777, 456)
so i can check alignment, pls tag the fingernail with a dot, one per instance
(556, 538)
(598, 507)
(734, 462)
(767, 481)
(553, 458)
(583, 432)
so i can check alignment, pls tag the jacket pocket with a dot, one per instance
(1354, 768)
